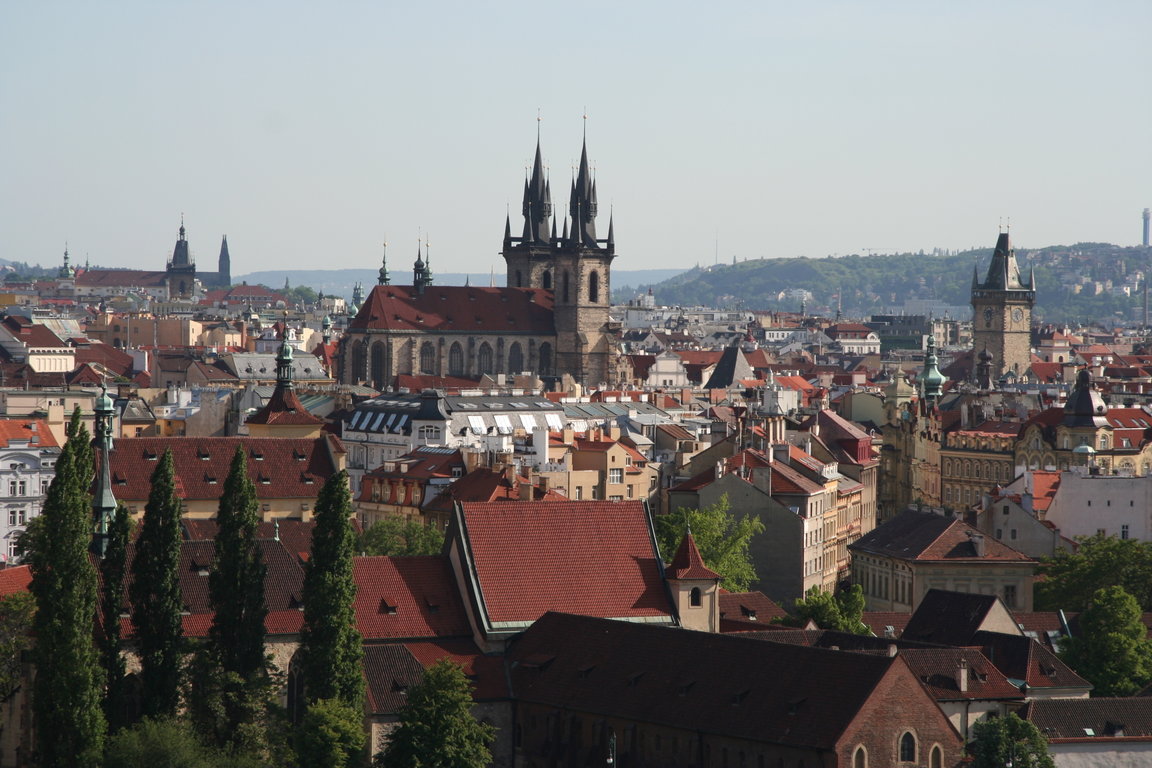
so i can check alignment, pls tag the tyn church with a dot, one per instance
(551, 319)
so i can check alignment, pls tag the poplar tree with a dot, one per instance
(331, 647)
(236, 585)
(112, 572)
(156, 600)
(66, 699)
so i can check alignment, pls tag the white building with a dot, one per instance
(28, 454)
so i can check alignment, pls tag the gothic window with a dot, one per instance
(860, 759)
(428, 359)
(545, 359)
(907, 748)
(565, 286)
(484, 359)
(937, 759)
(694, 597)
(546, 280)
(359, 361)
(456, 360)
(379, 364)
(519, 280)
(515, 358)
(594, 287)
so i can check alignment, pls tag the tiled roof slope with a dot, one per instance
(594, 558)
(457, 308)
(393, 668)
(407, 597)
(280, 467)
(1091, 719)
(914, 535)
(689, 563)
(743, 611)
(948, 618)
(937, 669)
(1022, 658)
(21, 429)
(720, 684)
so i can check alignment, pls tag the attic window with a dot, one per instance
(386, 607)
(201, 569)
(433, 604)
(748, 613)
(298, 455)
(210, 479)
(738, 699)
(399, 687)
(204, 455)
(265, 480)
(149, 455)
(306, 479)
(584, 671)
(256, 455)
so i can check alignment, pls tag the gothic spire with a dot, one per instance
(582, 204)
(1003, 271)
(537, 206)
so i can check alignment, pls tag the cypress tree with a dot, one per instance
(112, 572)
(70, 725)
(332, 649)
(156, 599)
(236, 586)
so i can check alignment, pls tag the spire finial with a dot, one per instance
(585, 123)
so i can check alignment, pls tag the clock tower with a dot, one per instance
(1002, 312)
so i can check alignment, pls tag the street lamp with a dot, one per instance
(611, 747)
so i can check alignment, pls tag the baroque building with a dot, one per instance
(1002, 312)
(552, 317)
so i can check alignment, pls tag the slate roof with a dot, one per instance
(948, 618)
(407, 597)
(928, 537)
(696, 681)
(594, 558)
(464, 309)
(1103, 719)
(280, 467)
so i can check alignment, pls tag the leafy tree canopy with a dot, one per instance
(722, 538)
(1071, 580)
(998, 740)
(398, 537)
(437, 728)
(16, 612)
(841, 612)
(1111, 650)
(332, 735)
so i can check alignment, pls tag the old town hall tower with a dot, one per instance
(1002, 312)
(576, 266)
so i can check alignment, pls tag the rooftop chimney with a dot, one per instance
(962, 676)
(977, 540)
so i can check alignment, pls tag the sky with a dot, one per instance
(311, 133)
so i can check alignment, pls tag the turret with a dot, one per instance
(103, 500)
(383, 279)
(932, 380)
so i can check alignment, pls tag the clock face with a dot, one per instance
(1017, 314)
(988, 316)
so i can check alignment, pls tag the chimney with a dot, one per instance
(962, 676)
(569, 435)
(525, 491)
(542, 480)
(977, 540)
(614, 431)
(892, 650)
(780, 453)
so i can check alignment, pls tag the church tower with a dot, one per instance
(1002, 312)
(181, 269)
(224, 275)
(575, 266)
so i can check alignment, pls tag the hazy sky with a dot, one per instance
(309, 132)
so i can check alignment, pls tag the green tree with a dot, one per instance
(1112, 650)
(112, 573)
(398, 537)
(1000, 741)
(437, 728)
(1070, 580)
(332, 735)
(841, 612)
(16, 616)
(236, 584)
(722, 538)
(231, 701)
(331, 648)
(157, 603)
(66, 698)
(165, 742)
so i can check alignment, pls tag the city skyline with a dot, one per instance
(310, 135)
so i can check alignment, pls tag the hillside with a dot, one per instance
(1081, 282)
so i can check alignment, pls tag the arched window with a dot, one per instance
(594, 287)
(565, 286)
(428, 359)
(546, 280)
(860, 758)
(359, 362)
(907, 748)
(295, 689)
(379, 366)
(456, 360)
(937, 758)
(545, 359)
(694, 597)
(519, 280)
(484, 359)
(515, 358)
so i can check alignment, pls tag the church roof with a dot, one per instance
(689, 563)
(464, 309)
(131, 278)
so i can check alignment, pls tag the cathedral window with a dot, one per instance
(545, 359)
(428, 359)
(515, 358)
(594, 288)
(456, 360)
(546, 280)
(484, 359)
(908, 748)
(565, 287)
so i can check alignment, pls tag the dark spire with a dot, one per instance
(507, 229)
(582, 204)
(103, 500)
(611, 231)
(284, 365)
(225, 264)
(537, 206)
(1003, 271)
(180, 255)
(427, 262)
(383, 279)
(418, 271)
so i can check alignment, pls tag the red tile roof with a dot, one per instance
(457, 308)
(104, 278)
(744, 611)
(595, 558)
(21, 429)
(280, 467)
(689, 563)
(937, 669)
(926, 536)
(15, 579)
(407, 597)
(284, 409)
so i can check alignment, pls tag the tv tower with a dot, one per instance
(1147, 217)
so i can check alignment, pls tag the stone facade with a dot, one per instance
(1002, 312)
